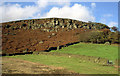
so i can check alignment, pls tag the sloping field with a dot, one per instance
(98, 50)
(72, 64)
(79, 62)
(39, 35)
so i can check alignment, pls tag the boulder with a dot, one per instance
(75, 26)
(68, 24)
(57, 22)
(70, 27)
(56, 27)
(70, 21)
(60, 23)
(48, 30)
(107, 43)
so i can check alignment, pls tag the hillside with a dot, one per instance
(43, 34)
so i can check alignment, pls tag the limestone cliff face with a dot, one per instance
(42, 34)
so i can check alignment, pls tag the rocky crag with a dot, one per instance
(43, 34)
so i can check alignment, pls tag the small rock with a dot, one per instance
(49, 36)
(53, 34)
(56, 30)
(62, 26)
(69, 56)
(40, 42)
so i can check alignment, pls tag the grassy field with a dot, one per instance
(99, 50)
(72, 64)
(68, 58)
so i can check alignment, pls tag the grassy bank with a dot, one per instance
(70, 58)
(98, 50)
(70, 63)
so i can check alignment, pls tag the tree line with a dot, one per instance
(101, 36)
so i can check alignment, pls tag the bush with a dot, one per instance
(23, 25)
(98, 36)
(7, 26)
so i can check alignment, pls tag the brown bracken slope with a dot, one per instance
(43, 34)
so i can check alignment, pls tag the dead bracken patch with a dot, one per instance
(41, 34)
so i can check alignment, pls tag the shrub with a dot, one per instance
(7, 26)
(23, 25)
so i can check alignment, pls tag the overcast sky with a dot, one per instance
(103, 12)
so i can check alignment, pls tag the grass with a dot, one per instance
(98, 50)
(72, 63)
